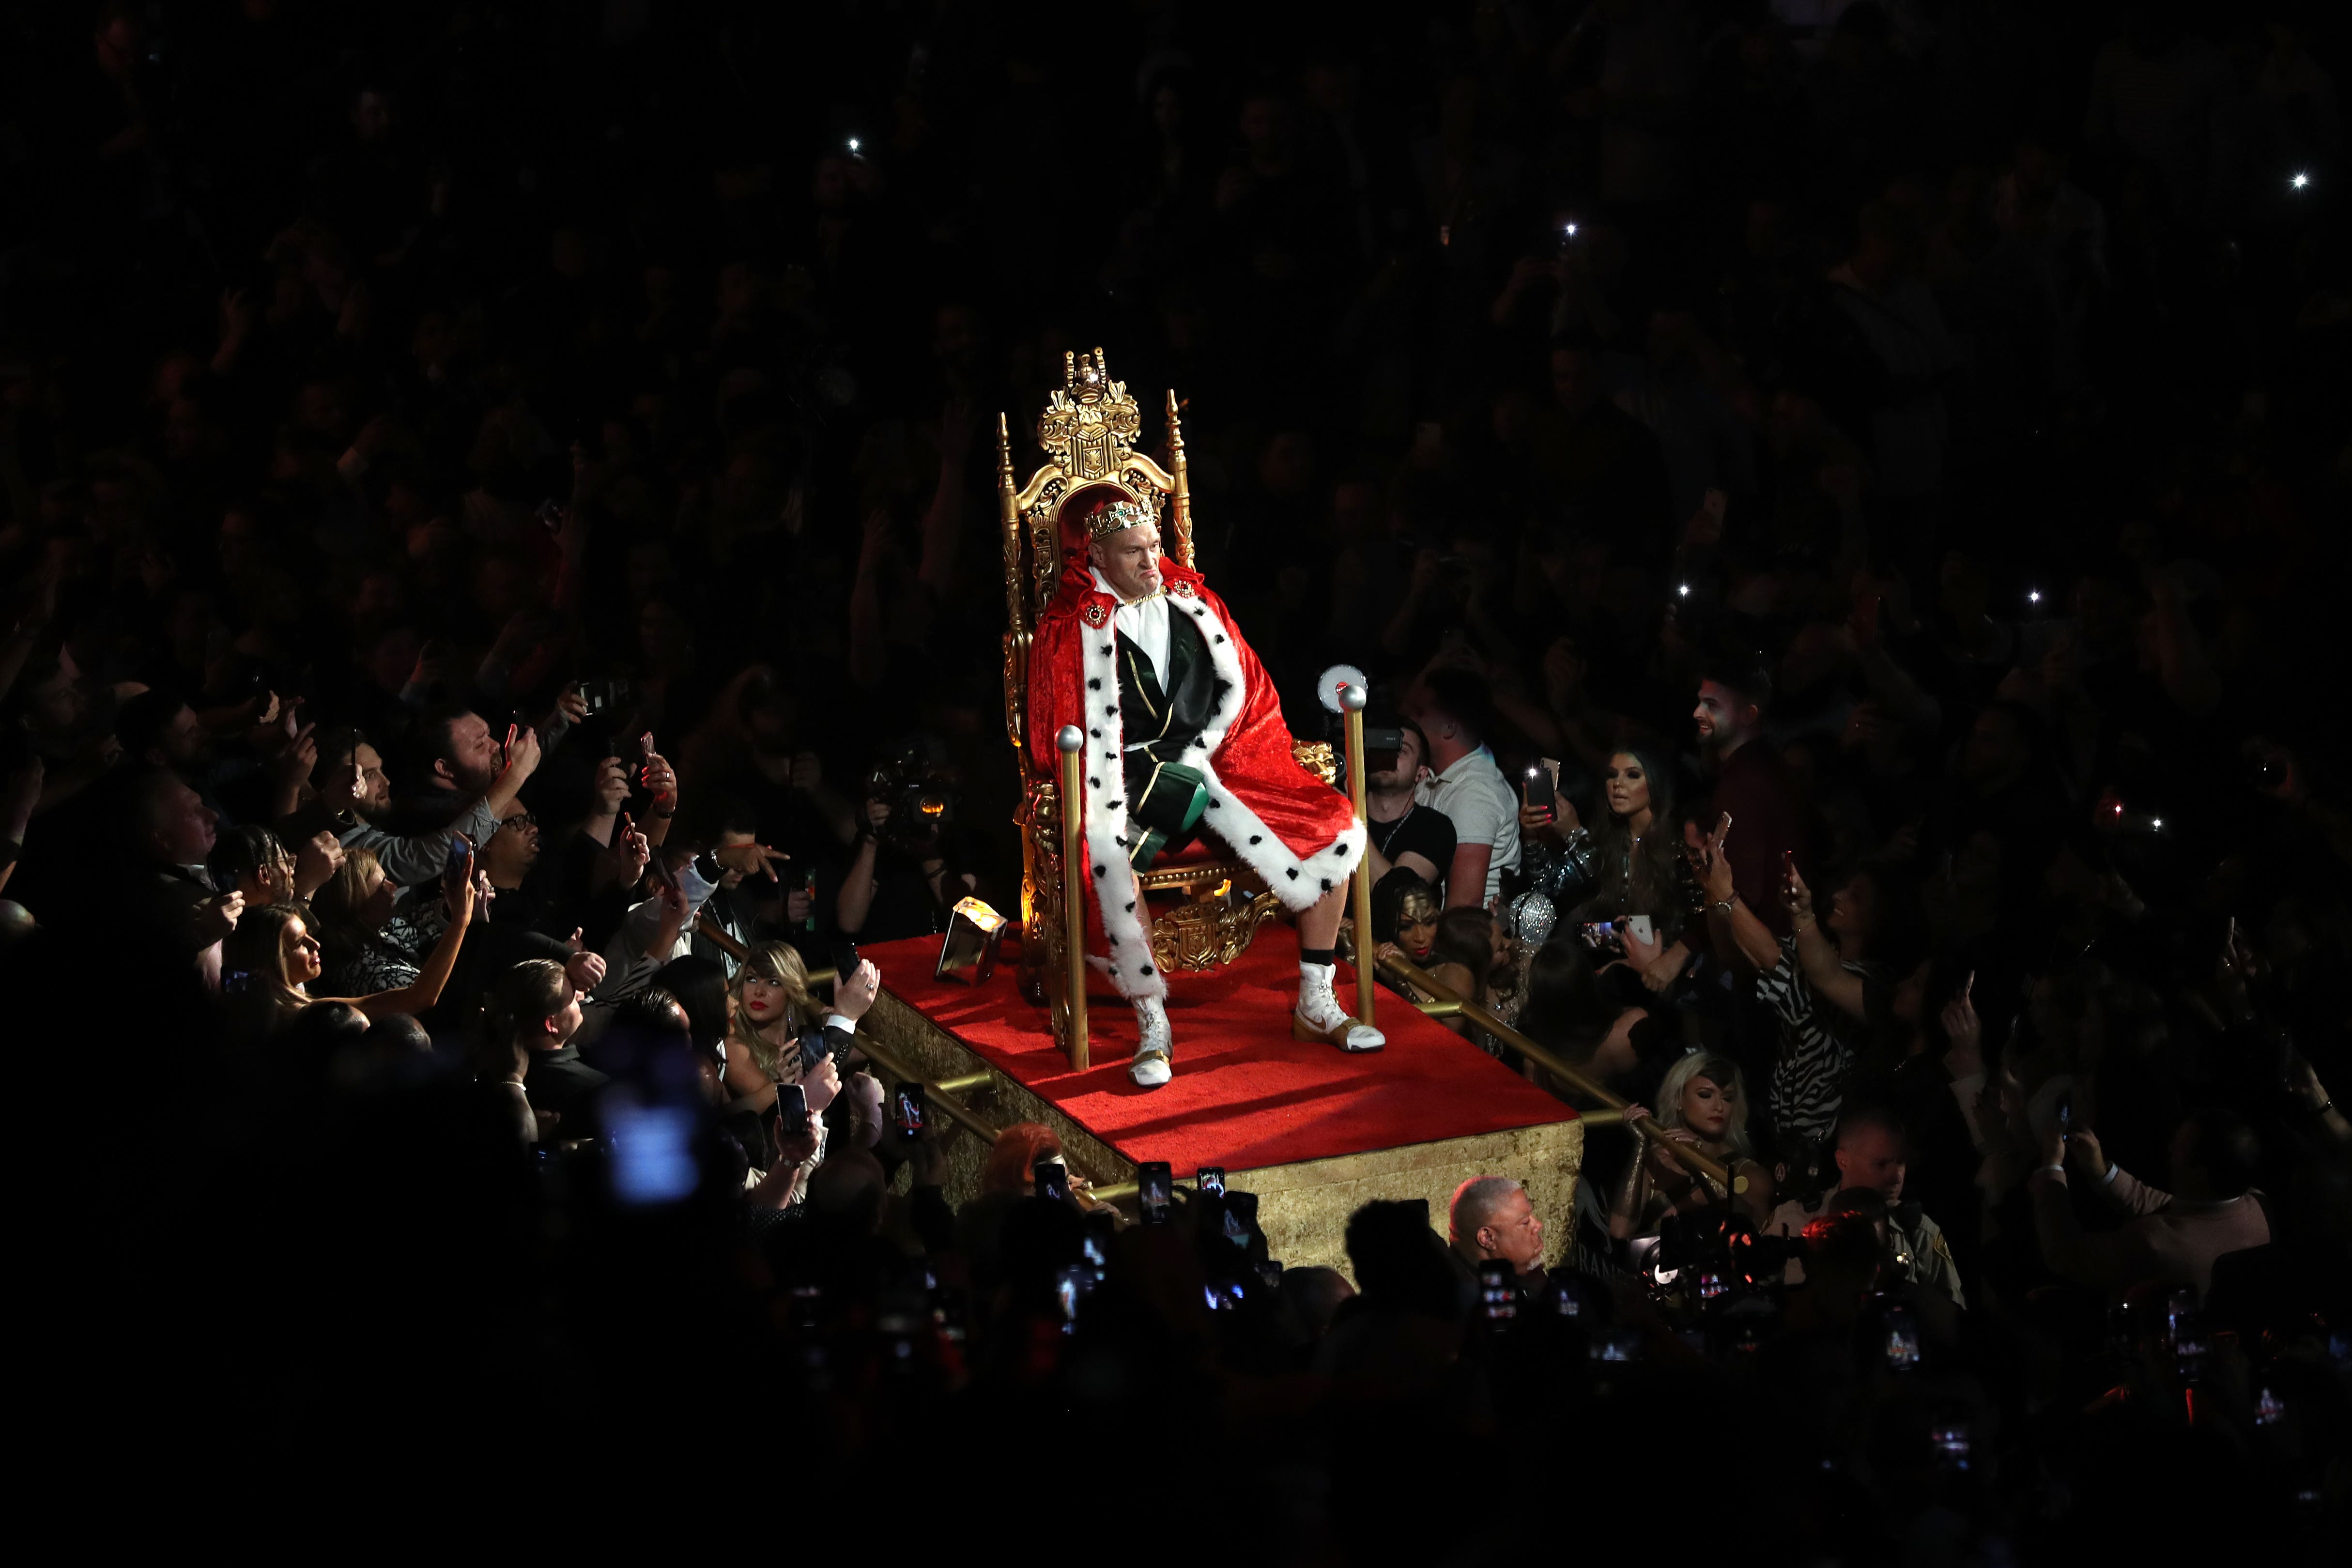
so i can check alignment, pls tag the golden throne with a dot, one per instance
(1087, 431)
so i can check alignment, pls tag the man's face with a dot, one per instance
(513, 849)
(1407, 768)
(1872, 1157)
(180, 737)
(1514, 1234)
(472, 762)
(375, 785)
(566, 1021)
(1720, 715)
(1129, 560)
(184, 826)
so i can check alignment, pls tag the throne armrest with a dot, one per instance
(1316, 757)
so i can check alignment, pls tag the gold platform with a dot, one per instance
(1302, 1208)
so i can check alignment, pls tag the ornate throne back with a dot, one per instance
(1088, 430)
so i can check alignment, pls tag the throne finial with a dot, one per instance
(1069, 370)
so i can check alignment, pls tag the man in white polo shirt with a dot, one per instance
(1454, 710)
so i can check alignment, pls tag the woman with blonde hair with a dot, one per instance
(768, 1009)
(271, 958)
(1704, 1103)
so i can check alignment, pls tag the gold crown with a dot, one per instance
(1117, 518)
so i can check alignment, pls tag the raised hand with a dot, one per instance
(854, 993)
(217, 916)
(315, 860)
(1965, 1030)
(750, 859)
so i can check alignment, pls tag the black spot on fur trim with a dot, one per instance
(1131, 906)
(1095, 685)
(1327, 884)
(1094, 784)
(1257, 838)
(1147, 969)
(1113, 805)
(1221, 637)
(1114, 969)
(1111, 710)
(1122, 843)
(1292, 873)
(1100, 870)
(1213, 806)
(1340, 851)
(1108, 649)
(1096, 733)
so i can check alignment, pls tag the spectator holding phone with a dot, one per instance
(1750, 784)
(272, 957)
(1636, 863)
(1453, 709)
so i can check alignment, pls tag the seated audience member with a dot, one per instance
(1869, 1150)
(252, 860)
(1452, 710)
(367, 941)
(171, 835)
(1568, 1011)
(355, 793)
(1702, 1102)
(2170, 1238)
(1491, 1218)
(1473, 960)
(770, 1009)
(1405, 835)
(536, 1008)
(271, 958)
(1636, 853)
(1404, 916)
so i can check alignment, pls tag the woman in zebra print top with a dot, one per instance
(1796, 976)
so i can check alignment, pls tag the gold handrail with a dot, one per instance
(1351, 700)
(1402, 969)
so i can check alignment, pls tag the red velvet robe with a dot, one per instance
(1283, 822)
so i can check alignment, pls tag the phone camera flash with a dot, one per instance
(2034, 595)
(1683, 589)
(1570, 229)
(853, 143)
(2299, 181)
(2155, 822)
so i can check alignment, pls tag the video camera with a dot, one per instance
(921, 794)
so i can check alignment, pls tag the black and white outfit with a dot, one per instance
(1818, 1046)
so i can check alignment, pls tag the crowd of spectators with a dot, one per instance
(1841, 505)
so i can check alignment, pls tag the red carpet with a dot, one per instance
(1245, 1094)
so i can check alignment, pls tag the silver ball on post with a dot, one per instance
(1353, 697)
(1071, 739)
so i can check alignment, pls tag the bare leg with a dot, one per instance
(1318, 925)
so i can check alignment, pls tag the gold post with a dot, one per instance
(978, 1082)
(1008, 519)
(1074, 887)
(1404, 969)
(1351, 701)
(1180, 508)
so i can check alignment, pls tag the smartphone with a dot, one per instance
(461, 853)
(910, 1111)
(1638, 928)
(1210, 1179)
(1070, 1284)
(2064, 1112)
(1902, 1338)
(1241, 1218)
(1949, 1440)
(1600, 936)
(1539, 791)
(1052, 1179)
(551, 516)
(1155, 1193)
(645, 745)
(792, 1105)
(1499, 1294)
(1617, 1345)
(1269, 1273)
(1101, 1226)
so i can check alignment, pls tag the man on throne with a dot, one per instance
(1183, 735)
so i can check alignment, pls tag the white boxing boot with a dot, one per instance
(1154, 1062)
(1319, 1016)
